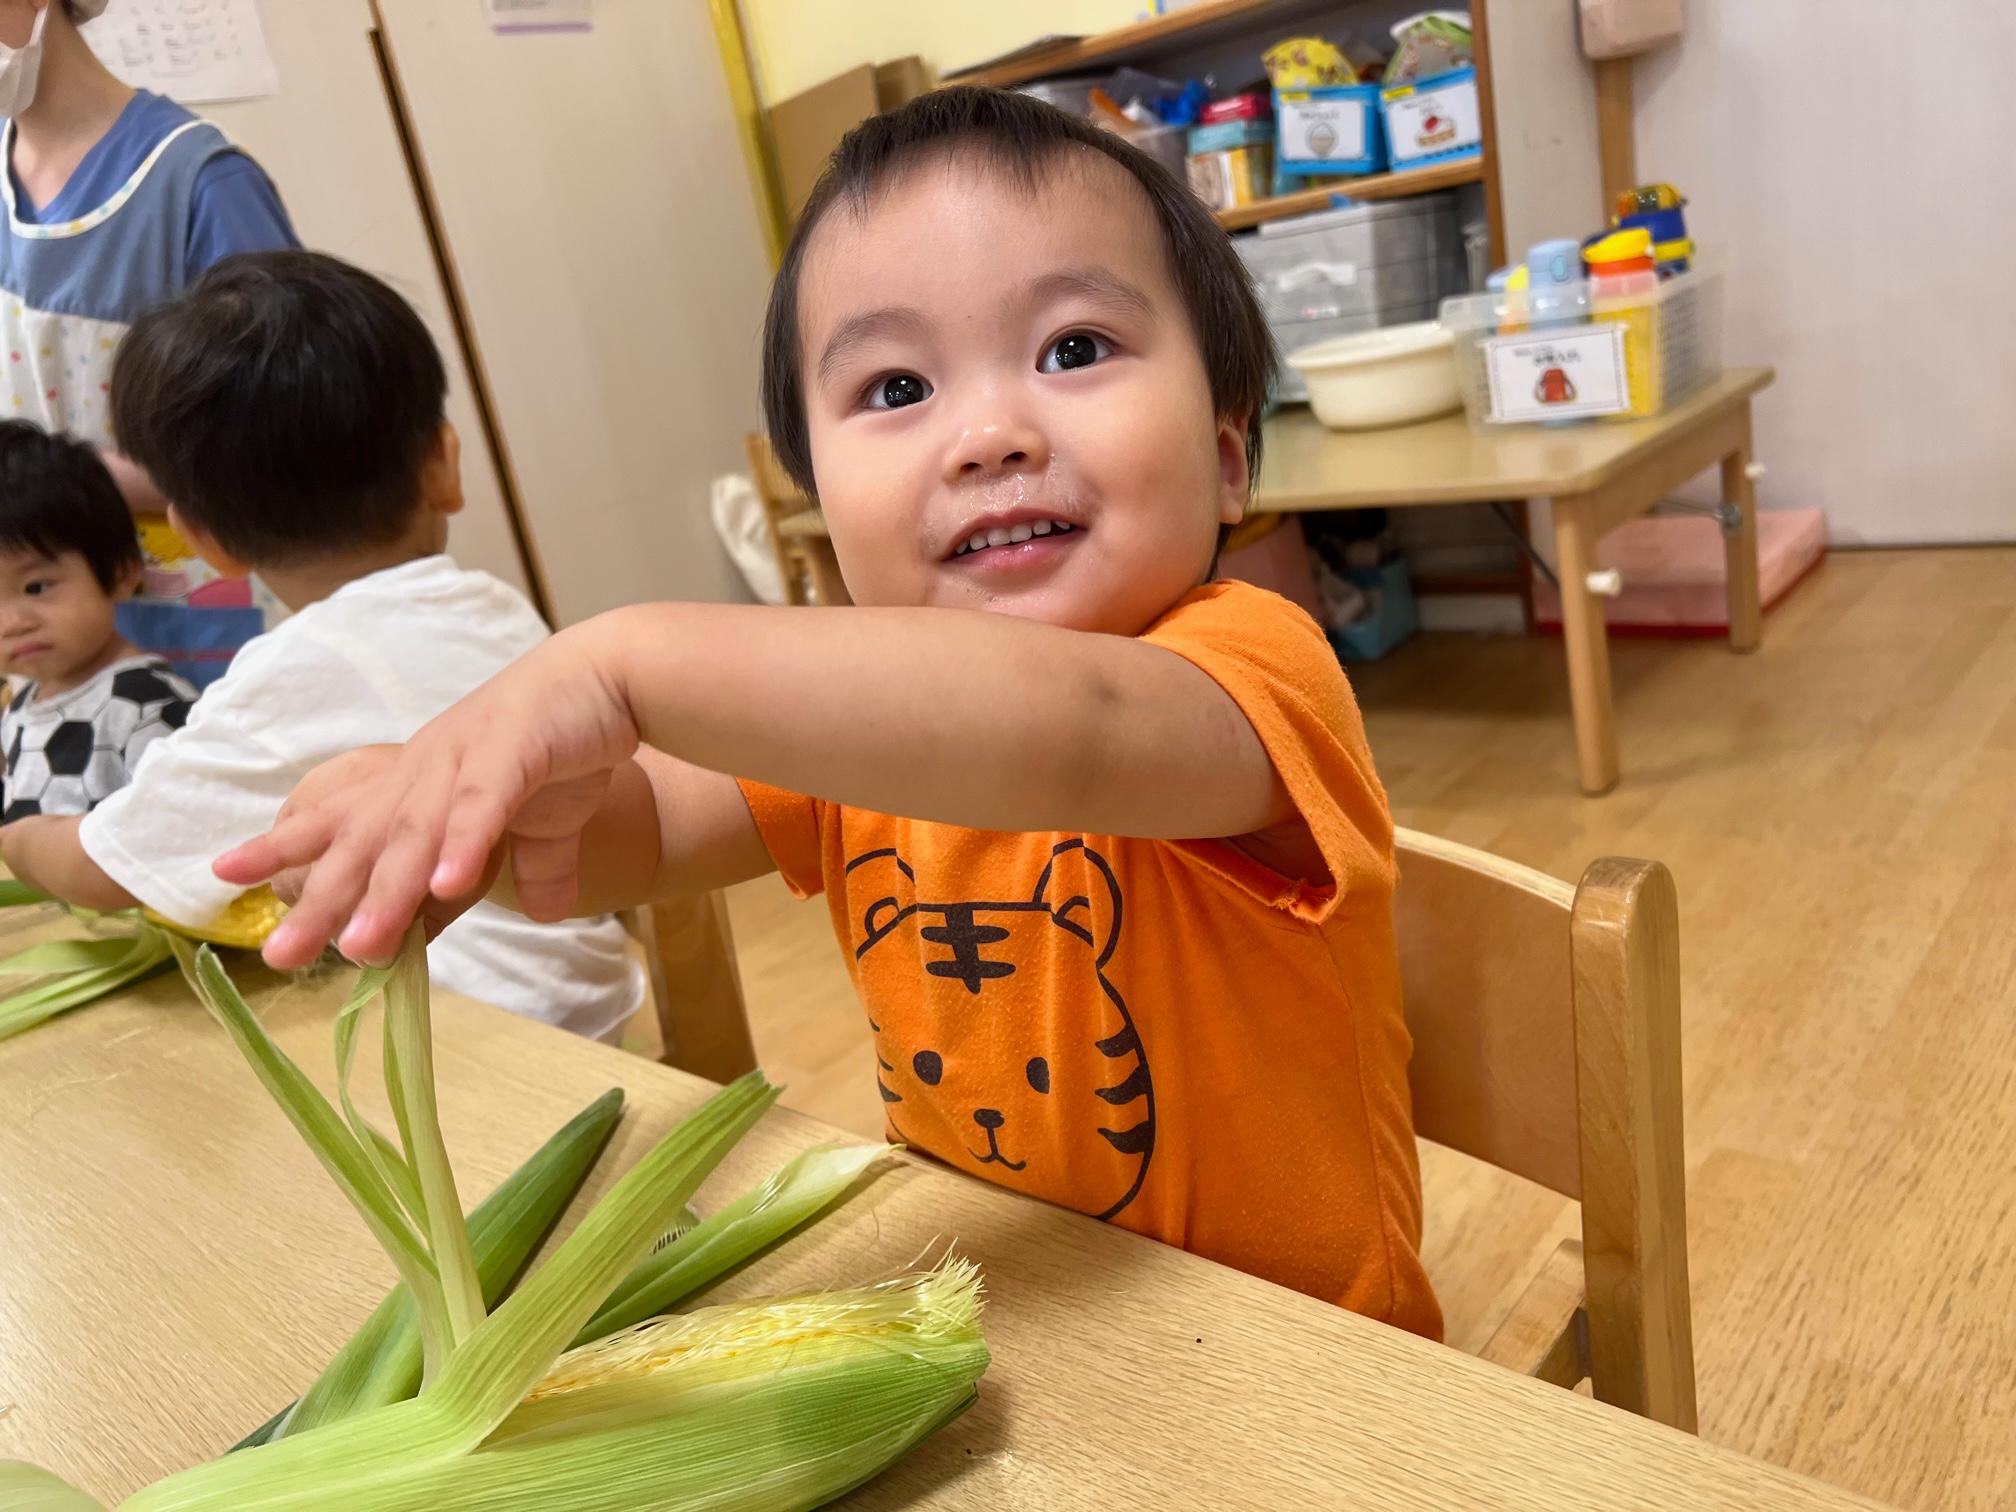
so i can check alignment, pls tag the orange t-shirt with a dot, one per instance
(1166, 1034)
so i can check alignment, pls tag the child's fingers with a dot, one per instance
(293, 841)
(545, 875)
(475, 822)
(398, 881)
(334, 883)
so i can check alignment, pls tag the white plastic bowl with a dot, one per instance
(1392, 376)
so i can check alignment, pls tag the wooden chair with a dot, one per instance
(696, 990)
(1546, 1023)
(797, 533)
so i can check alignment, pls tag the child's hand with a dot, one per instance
(523, 760)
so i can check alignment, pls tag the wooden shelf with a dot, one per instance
(1194, 25)
(1377, 186)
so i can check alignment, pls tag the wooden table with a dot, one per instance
(173, 1267)
(1595, 476)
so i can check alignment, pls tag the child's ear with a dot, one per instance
(1235, 480)
(441, 473)
(205, 546)
(127, 584)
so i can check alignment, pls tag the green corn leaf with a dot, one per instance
(18, 894)
(23, 1488)
(381, 1362)
(409, 1082)
(341, 1154)
(386, 1156)
(792, 1194)
(498, 1363)
(77, 972)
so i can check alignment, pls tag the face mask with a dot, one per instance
(21, 66)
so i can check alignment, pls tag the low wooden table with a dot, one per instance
(174, 1267)
(1596, 476)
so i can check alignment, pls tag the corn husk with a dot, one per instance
(381, 1362)
(765, 1406)
(71, 973)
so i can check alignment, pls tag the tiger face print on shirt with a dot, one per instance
(983, 1053)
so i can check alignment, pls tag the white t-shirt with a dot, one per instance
(368, 665)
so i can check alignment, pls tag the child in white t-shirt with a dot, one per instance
(291, 405)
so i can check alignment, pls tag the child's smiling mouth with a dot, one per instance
(1021, 538)
(984, 540)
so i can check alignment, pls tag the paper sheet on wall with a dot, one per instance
(188, 50)
(507, 16)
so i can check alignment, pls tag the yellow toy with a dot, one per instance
(1306, 63)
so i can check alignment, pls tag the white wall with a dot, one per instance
(604, 231)
(1863, 200)
(328, 140)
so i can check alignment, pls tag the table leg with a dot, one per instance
(1739, 545)
(1588, 650)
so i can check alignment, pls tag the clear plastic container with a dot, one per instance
(1618, 349)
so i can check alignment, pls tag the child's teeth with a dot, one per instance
(997, 537)
(1020, 533)
(1062, 526)
(1041, 527)
(979, 541)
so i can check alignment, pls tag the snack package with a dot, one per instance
(1428, 44)
(1306, 63)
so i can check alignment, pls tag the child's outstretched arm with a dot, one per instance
(44, 851)
(970, 718)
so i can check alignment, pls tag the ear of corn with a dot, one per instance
(381, 1362)
(243, 925)
(785, 1403)
(764, 1406)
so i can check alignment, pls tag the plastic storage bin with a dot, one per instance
(1339, 272)
(1330, 128)
(1433, 120)
(1592, 354)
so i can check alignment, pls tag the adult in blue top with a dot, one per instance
(116, 199)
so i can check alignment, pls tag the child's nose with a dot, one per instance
(997, 447)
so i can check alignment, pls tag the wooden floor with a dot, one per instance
(1840, 813)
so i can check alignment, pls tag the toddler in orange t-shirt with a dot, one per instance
(1101, 838)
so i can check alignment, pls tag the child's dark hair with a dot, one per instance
(56, 496)
(1024, 136)
(285, 404)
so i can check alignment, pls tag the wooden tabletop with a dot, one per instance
(1448, 461)
(174, 1266)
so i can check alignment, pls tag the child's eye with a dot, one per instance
(1074, 349)
(38, 587)
(896, 391)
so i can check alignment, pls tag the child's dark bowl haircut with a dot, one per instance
(1022, 136)
(56, 496)
(285, 404)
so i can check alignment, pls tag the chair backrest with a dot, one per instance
(781, 499)
(1490, 1003)
(1546, 1024)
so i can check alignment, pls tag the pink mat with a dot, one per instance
(1675, 579)
(1278, 560)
